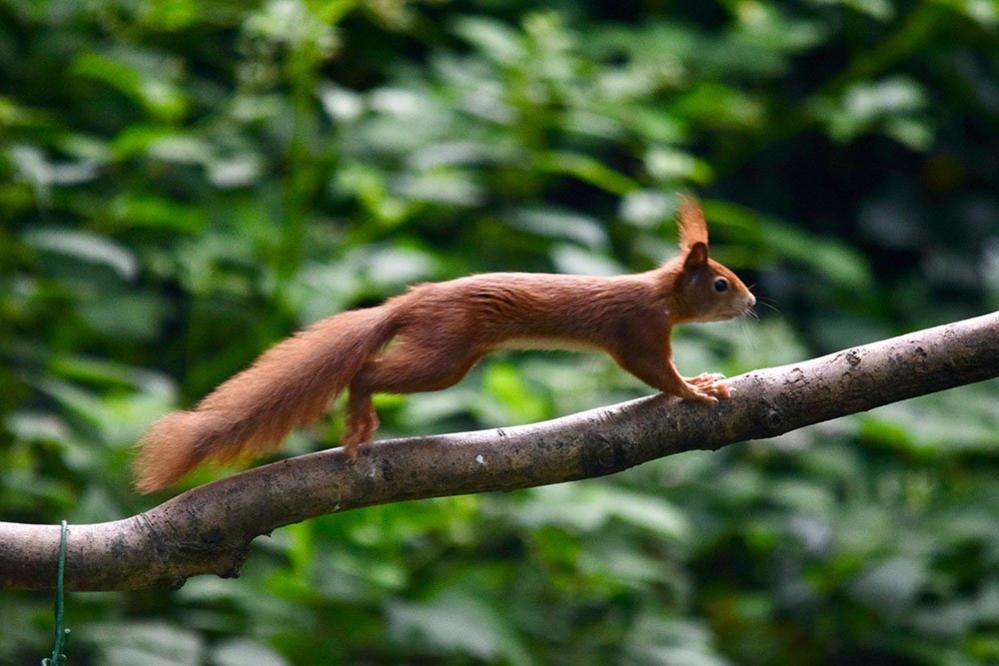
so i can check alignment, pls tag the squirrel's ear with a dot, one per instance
(693, 226)
(696, 256)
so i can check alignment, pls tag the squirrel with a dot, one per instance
(429, 337)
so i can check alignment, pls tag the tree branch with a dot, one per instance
(208, 529)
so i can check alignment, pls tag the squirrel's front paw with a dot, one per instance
(695, 392)
(710, 383)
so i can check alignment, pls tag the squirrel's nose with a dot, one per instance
(751, 300)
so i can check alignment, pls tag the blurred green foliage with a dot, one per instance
(183, 183)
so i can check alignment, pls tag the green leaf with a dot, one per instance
(242, 652)
(84, 246)
(587, 169)
(147, 87)
(578, 261)
(831, 258)
(144, 643)
(890, 587)
(455, 622)
(137, 210)
(504, 384)
(494, 39)
(588, 506)
(130, 316)
(565, 224)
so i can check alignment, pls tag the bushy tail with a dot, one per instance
(291, 384)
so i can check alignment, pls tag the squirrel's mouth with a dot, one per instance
(744, 310)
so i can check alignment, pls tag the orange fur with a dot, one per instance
(693, 226)
(438, 332)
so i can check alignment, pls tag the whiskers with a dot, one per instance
(760, 300)
(769, 305)
(751, 347)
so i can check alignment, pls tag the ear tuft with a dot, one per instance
(696, 256)
(693, 226)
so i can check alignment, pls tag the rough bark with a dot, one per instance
(208, 529)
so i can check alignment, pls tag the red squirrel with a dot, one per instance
(428, 338)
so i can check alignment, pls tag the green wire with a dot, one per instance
(60, 634)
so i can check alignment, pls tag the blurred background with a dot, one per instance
(184, 182)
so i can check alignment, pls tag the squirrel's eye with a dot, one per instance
(721, 285)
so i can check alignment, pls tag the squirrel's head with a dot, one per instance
(703, 289)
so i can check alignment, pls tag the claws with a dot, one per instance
(705, 397)
(706, 379)
(359, 432)
(708, 387)
(351, 447)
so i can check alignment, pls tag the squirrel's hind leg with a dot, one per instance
(409, 366)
